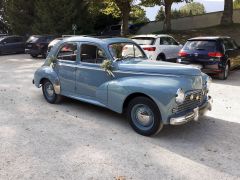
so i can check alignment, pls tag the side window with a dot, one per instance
(92, 54)
(227, 44)
(165, 41)
(68, 52)
(8, 40)
(173, 41)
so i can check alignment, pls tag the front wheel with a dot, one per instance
(144, 116)
(49, 92)
(224, 75)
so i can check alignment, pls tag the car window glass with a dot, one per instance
(165, 41)
(173, 42)
(228, 45)
(122, 51)
(116, 28)
(68, 52)
(92, 54)
(144, 40)
(200, 45)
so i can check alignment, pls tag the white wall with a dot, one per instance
(191, 22)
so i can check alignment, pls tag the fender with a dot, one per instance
(161, 90)
(46, 72)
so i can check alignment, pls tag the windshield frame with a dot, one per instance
(130, 43)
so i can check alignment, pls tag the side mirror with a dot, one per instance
(4, 42)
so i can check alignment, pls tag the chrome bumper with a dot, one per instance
(199, 111)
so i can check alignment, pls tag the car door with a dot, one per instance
(8, 45)
(231, 52)
(90, 77)
(67, 59)
(165, 47)
(175, 48)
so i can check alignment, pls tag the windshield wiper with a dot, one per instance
(201, 49)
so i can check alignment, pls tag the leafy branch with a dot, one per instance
(107, 66)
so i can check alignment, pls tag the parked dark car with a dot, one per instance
(38, 45)
(213, 55)
(11, 44)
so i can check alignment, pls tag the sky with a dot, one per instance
(210, 6)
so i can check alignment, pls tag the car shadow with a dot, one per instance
(233, 79)
(211, 142)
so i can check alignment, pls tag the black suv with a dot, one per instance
(213, 55)
(38, 44)
(11, 44)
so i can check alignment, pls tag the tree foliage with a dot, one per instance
(236, 4)
(193, 8)
(19, 15)
(57, 16)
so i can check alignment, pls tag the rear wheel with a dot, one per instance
(224, 75)
(34, 55)
(144, 116)
(49, 92)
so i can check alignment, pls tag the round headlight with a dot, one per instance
(180, 96)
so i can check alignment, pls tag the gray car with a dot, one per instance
(12, 44)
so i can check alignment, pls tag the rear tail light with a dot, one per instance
(182, 54)
(215, 54)
(149, 48)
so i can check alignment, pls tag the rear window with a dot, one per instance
(206, 45)
(144, 40)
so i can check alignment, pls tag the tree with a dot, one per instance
(160, 15)
(194, 8)
(167, 5)
(227, 17)
(57, 16)
(138, 15)
(19, 15)
(236, 4)
(120, 8)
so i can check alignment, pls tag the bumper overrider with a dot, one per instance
(194, 115)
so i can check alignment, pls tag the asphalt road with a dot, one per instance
(75, 140)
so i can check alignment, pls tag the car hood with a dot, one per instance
(158, 67)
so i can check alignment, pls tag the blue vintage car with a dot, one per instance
(114, 73)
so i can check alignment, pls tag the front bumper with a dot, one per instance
(194, 115)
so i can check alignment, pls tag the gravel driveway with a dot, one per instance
(75, 140)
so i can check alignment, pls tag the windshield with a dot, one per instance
(200, 45)
(121, 51)
(144, 40)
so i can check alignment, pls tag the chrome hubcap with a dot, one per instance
(226, 70)
(49, 89)
(142, 116)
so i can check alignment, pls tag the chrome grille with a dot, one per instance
(190, 103)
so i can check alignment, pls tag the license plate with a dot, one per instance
(196, 114)
(199, 66)
(29, 46)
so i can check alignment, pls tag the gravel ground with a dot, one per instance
(75, 140)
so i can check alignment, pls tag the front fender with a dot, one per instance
(161, 90)
(46, 72)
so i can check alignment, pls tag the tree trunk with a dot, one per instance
(125, 20)
(167, 21)
(227, 17)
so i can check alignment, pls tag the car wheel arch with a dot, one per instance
(161, 56)
(56, 84)
(131, 97)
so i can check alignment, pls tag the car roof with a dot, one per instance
(209, 38)
(98, 40)
(152, 35)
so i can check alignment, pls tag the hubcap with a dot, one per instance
(226, 70)
(49, 90)
(142, 116)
